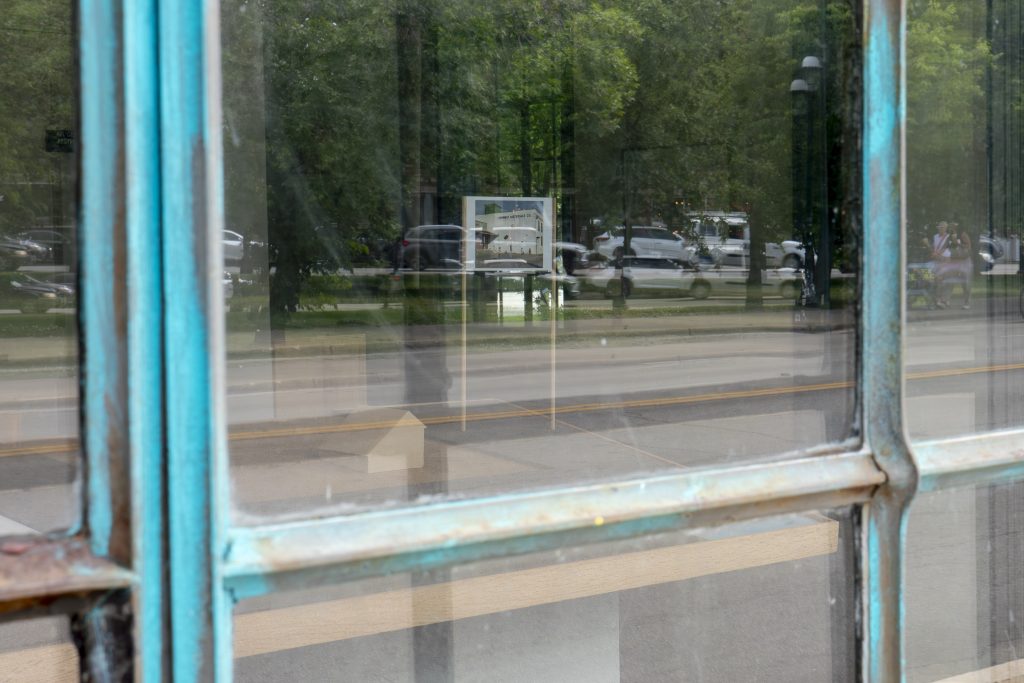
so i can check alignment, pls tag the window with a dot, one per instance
(39, 365)
(337, 375)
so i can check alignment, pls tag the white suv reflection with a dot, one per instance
(646, 240)
(662, 275)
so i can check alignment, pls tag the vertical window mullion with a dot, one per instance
(145, 315)
(103, 310)
(200, 613)
(103, 632)
(881, 359)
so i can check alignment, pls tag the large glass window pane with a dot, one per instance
(964, 216)
(965, 596)
(38, 344)
(766, 601)
(480, 246)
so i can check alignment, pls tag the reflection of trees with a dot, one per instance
(37, 75)
(1005, 106)
(947, 53)
(542, 97)
(381, 116)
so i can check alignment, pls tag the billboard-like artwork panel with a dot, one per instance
(508, 233)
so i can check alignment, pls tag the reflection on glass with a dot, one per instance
(764, 601)
(38, 651)
(965, 550)
(964, 217)
(474, 247)
(38, 345)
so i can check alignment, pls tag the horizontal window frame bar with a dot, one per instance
(447, 598)
(270, 558)
(972, 460)
(39, 576)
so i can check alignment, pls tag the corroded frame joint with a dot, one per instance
(884, 519)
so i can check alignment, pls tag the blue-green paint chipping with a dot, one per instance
(197, 626)
(266, 559)
(881, 356)
(145, 331)
(98, 213)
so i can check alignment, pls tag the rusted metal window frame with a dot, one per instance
(880, 472)
(107, 572)
(152, 326)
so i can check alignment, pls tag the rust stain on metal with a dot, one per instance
(15, 547)
(120, 547)
(36, 572)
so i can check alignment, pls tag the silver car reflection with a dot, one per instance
(665, 276)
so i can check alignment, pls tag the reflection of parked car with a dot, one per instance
(668, 275)
(245, 253)
(661, 275)
(436, 246)
(234, 246)
(19, 251)
(991, 246)
(726, 236)
(789, 254)
(572, 254)
(33, 295)
(60, 246)
(640, 273)
(990, 250)
(645, 241)
(730, 281)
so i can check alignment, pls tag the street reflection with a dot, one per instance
(964, 221)
(480, 247)
(39, 407)
(401, 383)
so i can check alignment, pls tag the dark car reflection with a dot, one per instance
(19, 250)
(60, 247)
(428, 247)
(29, 294)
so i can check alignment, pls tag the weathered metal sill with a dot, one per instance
(268, 558)
(47, 575)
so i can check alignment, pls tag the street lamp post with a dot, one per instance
(810, 189)
(815, 75)
(801, 170)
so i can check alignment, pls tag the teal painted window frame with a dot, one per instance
(156, 565)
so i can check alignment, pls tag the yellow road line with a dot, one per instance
(543, 413)
(956, 372)
(51, 449)
(611, 405)
(72, 446)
